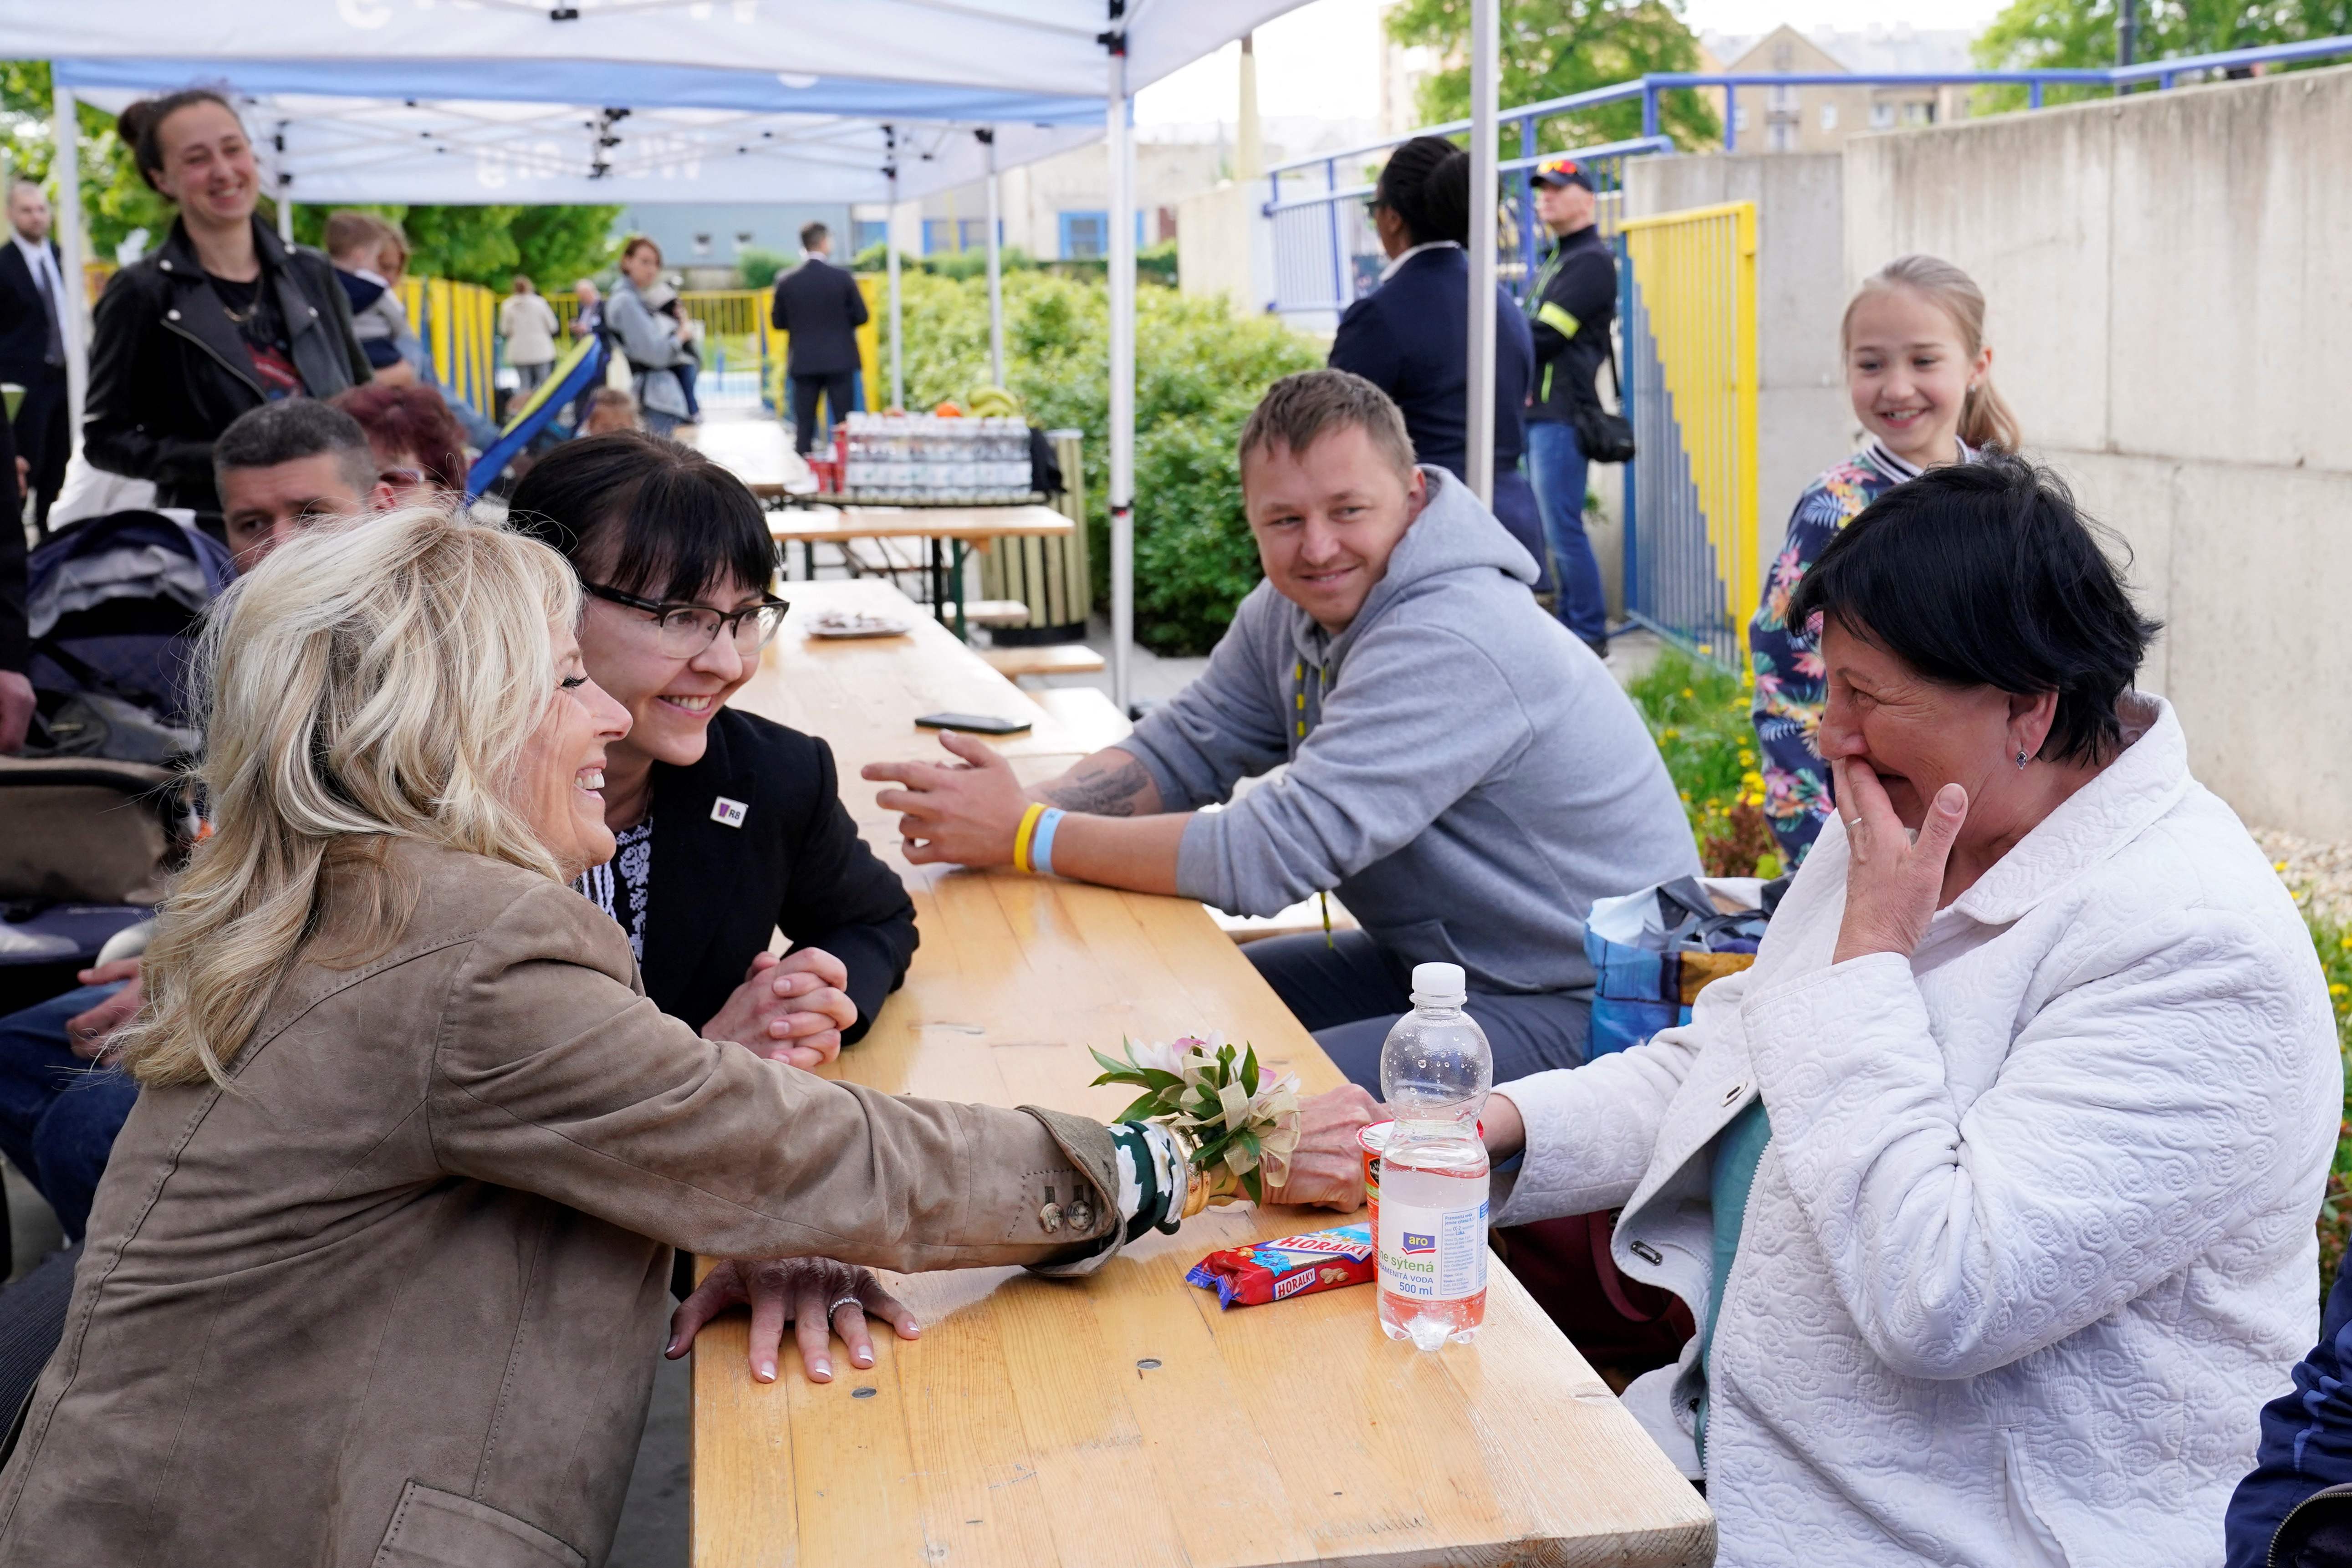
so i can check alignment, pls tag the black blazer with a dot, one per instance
(24, 320)
(1411, 338)
(818, 303)
(797, 863)
(168, 370)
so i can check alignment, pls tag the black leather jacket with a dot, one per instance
(168, 370)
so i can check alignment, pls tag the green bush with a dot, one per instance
(757, 268)
(1699, 714)
(1199, 371)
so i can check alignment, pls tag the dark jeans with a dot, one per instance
(839, 391)
(59, 1114)
(1556, 467)
(1347, 993)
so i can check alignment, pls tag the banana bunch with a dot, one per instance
(993, 403)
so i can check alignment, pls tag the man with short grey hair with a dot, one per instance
(284, 466)
(1457, 766)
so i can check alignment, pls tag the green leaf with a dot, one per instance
(1112, 1063)
(1149, 1105)
(1249, 1072)
(1254, 1185)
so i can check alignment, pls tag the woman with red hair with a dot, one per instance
(420, 451)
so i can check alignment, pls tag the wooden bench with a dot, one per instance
(1049, 658)
(1087, 713)
(997, 613)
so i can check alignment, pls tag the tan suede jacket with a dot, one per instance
(396, 1297)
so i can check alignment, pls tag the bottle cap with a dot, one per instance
(1439, 986)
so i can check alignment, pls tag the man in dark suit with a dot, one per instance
(819, 305)
(32, 299)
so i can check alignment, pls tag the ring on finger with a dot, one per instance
(856, 1301)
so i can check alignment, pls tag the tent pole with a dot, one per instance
(1480, 431)
(1120, 139)
(995, 268)
(890, 250)
(66, 164)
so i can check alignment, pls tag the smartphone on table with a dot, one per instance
(973, 723)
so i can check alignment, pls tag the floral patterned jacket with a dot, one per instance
(1790, 685)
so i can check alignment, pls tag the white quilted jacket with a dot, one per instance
(2032, 1239)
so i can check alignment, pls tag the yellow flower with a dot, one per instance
(1670, 734)
(2278, 865)
(2347, 943)
(1688, 692)
(1687, 797)
(2338, 989)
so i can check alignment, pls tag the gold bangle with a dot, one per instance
(1020, 836)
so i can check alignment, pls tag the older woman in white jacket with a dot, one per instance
(1992, 1185)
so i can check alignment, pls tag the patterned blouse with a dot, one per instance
(1791, 688)
(619, 885)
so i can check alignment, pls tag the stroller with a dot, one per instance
(98, 815)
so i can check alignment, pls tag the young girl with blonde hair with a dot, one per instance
(1920, 375)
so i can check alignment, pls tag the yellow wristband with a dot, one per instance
(1021, 837)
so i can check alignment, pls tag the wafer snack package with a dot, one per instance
(1290, 1265)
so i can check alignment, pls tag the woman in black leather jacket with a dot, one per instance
(224, 318)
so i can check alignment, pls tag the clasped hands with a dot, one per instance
(790, 1009)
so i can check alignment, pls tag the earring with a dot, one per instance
(2020, 759)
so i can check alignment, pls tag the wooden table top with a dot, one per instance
(1125, 1419)
(819, 524)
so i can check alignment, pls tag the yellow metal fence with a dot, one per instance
(1693, 556)
(458, 323)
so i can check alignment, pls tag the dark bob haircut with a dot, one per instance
(1985, 573)
(648, 516)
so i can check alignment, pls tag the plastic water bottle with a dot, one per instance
(1436, 1070)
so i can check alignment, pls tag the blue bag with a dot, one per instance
(1637, 945)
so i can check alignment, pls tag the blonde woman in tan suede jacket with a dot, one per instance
(377, 1269)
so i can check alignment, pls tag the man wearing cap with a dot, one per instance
(1570, 307)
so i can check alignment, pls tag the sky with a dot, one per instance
(1323, 59)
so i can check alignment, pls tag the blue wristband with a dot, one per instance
(1040, 841)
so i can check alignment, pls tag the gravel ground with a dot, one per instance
(2319, 875)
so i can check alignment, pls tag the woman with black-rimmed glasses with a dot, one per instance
(729, 827)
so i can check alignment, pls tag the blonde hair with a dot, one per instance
(373, 680)
(1985, 416)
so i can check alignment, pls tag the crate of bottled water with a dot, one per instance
(931, 459)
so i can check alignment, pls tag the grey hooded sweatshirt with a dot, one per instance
(1463, 774)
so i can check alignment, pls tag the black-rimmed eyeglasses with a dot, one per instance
(685, 630)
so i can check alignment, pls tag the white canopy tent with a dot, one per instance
(887, 62)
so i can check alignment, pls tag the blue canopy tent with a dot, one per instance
(917, 75)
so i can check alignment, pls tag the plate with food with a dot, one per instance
(845, 624)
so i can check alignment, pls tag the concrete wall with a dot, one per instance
(2170, 287)
(1804, 421)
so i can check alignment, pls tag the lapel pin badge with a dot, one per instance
(730, 811)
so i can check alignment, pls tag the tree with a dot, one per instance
(115, 201)
(2081, 33)
(489, 245)
(1554, 47)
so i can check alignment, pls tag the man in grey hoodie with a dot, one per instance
(1461, 771)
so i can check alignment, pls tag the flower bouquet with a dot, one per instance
(1236, 1124)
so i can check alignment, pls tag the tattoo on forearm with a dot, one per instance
(1108, 789)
